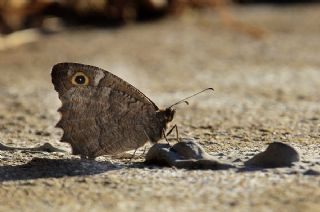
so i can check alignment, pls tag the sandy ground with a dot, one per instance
(265, 90)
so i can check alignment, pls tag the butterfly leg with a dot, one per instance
(144, 151)
(165, 137)
(134, 154)
(177, 132)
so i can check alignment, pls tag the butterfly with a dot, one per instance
(101, 114)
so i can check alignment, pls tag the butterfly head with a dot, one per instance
(169, 114)
(166, 116)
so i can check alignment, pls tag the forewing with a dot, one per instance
(106, 116)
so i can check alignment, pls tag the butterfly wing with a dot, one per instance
(101, 113)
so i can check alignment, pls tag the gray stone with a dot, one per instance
(186, 154)
(277, 154)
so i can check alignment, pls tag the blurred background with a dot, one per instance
(21, 14)
(49, 16)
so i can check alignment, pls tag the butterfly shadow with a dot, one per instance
(39, 168)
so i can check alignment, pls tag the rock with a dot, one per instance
(187, 154)
(188, 148)
(46, 147)
(160, 154)
(277, 154)
(311, 172)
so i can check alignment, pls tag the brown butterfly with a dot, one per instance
(102, 114)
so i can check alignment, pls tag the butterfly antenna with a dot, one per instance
(184, 100)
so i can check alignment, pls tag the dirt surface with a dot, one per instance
(265, 90)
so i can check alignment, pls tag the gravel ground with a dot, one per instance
(265, 90)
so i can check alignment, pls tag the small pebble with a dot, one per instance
(42, 133)
(311, 172)
(237, 160)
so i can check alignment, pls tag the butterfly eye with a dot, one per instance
(80, 79)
